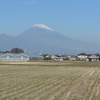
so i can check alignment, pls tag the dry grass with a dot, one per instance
(49, 81)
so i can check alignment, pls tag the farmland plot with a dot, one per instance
(49, 82)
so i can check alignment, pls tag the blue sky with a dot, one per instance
(78, 19)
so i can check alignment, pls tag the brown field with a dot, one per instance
(49, 80)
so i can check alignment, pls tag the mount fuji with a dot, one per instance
(42, 38)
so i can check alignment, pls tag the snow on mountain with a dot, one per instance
(41, 26)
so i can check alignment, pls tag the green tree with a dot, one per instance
(47, 58)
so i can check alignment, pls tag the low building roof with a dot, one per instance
(37, 56)
(82, 54)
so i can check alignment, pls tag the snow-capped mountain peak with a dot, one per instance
(42, 26)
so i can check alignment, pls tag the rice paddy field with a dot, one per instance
(50, 81)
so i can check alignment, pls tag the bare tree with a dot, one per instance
(16, 50)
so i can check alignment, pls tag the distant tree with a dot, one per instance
(90, 59)
(16, 50)
(4, 51)
(99, 58)
(66, 58)
(47, 58)
(7, 51)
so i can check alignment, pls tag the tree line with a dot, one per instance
(13, 50)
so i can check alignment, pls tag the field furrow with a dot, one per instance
(50, 81)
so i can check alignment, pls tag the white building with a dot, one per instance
(21, 57)
(57, 58)
(82, 56)
(93, 57)
(14, 57)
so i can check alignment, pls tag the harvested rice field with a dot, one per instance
(50, 81)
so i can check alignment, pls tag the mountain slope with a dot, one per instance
(42, 38)
(43, 34)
